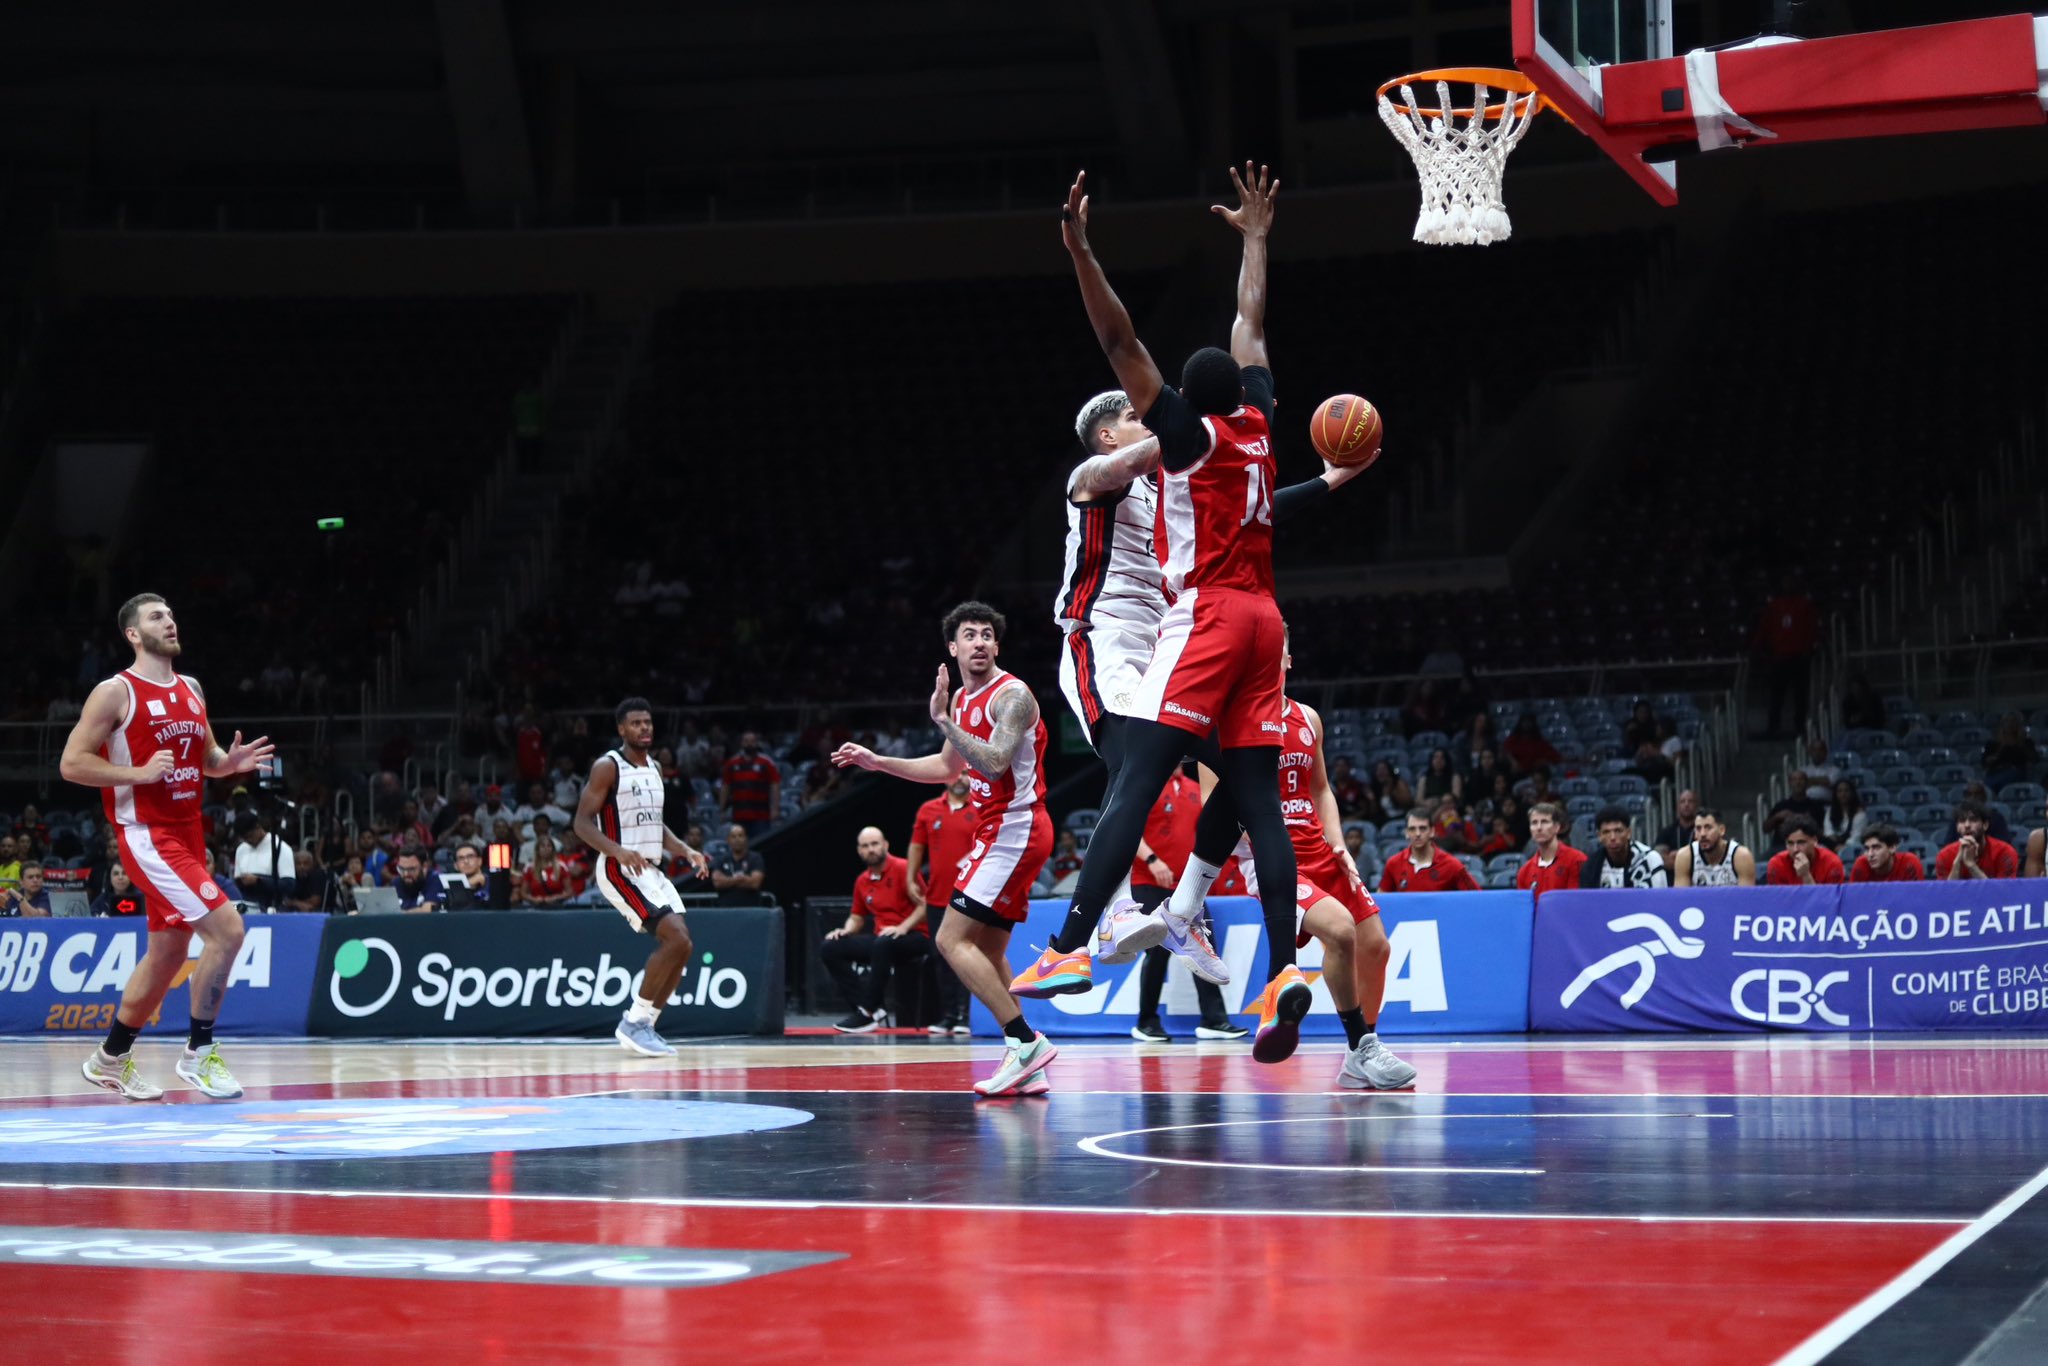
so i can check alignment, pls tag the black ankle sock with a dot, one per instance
(202, 1035)
(1355, 1027)
(1018, 1030)
(120, 1039)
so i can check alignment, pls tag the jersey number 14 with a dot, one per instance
(1258, 501)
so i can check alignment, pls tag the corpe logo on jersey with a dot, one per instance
(272, 1131)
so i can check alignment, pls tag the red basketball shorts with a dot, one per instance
(1217, 668)
(167, 864)
(1319, 874)
(1009, 851)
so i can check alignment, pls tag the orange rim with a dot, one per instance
(1493, 77)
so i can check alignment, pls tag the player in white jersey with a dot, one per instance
(1712, 859)
(620, 816)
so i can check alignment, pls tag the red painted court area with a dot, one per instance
(1696, 1201)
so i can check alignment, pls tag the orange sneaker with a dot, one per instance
(1286, 1000)
(1056, 974)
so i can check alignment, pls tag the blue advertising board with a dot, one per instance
(1903, 955)
(1460, 963)
(66, 976)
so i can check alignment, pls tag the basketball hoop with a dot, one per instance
(1461, 152)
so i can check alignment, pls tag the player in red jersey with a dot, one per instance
(1882, 861)
(994, 733)
(144, 738)
(939, 840)
(1555, 864)
(1216, 668)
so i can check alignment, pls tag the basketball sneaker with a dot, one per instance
(1021, 1062)
(636, 1037)
(1371, 1067)
(1286, 1000)
(1126, 932)
(119, 1075)
(209, 1073)
(1056, 974)
(1150, 1031)
(962, 1029)
(1227, 1030)
(1190, 940)
(938, 1029)
(860, 1020)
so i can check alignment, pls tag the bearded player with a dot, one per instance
(620, 817)
(144, 739)
(994, 732)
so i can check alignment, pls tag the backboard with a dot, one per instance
(1647, 92)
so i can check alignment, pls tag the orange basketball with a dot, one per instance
(1346, 430)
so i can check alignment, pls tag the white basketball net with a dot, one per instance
(1460, 164)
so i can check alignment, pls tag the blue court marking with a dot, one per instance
(274, 1131)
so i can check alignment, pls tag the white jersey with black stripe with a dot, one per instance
(1112, 570)
(633, 814)
(1722, 874)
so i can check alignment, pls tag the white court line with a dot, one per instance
(708, 1202)
(1859, 1315)
(257, 1092)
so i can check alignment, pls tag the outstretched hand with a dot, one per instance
(853, 756)
(247, 758)
(1074, 217)
(1256, 191)
(941, 708)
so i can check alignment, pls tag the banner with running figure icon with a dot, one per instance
(1926, 955)
(1460, 963)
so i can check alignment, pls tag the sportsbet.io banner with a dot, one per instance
(1927, 955)
(1461, 962)
(66, 976)
(520, 973)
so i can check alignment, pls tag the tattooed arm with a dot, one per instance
(1112, 470)
(1013, 712)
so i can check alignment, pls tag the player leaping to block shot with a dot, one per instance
(620, 817)
(145, 738)
(1215, 671)
(992, 730)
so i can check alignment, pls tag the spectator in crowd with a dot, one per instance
(2010, 757)
(462, 830)
(686, 879)
(10, 864)
(740, 874)
(1525, 748)
(1651, 764)
(1422, 867)
(568, 784)
(1425, 709)
(1640, 726)
(1975, 853)
(1486, 784)
(1517, 816)
(1786, 633)
(1712, 859)
(1999, 829)
(416, 891)
(411, 824)
(546, 880)
(106, 856)
(1499, 839)
(1679, 833)
(529, 746)
(1821, 772)
(1881, 860)
(1843, 825)
(1440, 780)
(895, 937)
(1065, 862)
(505, 833)
(750, 786)
(431, 804)
(1554, 865)
(1669, 741)
(120, 897)
(939, 839)
(1454, 833)
(310, 884)
(353, 877)
(544, 827)
(468, 886)
(1804, 861)
(494, 810)
(31, 835)
(1797, 806)
(1354, 844)
(823, 780)
(1476, 741)
(693, 753)
(31, 899)
(1389, 793)
(1623, 860)
(538, 803)
(264, 867)
(1348, 790)
(1538, 789)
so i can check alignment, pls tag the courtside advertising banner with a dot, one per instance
(66, 976)
(522, 973)
(1914, 955)
(1460, 963)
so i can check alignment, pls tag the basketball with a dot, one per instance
(1346, 430)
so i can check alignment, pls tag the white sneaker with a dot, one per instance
(1370, 1067)
(119, 1075)
(1126, 932)
(636, 1037)
(1190, 940)
(207, 1072)
(1021, 1062)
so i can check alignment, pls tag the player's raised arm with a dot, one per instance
(942, 767)
(1252, 217)
(1113, 470)
(102, 715)
(1135, 373)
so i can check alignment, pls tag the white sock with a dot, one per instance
(1195, 881)
(642, 1011)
